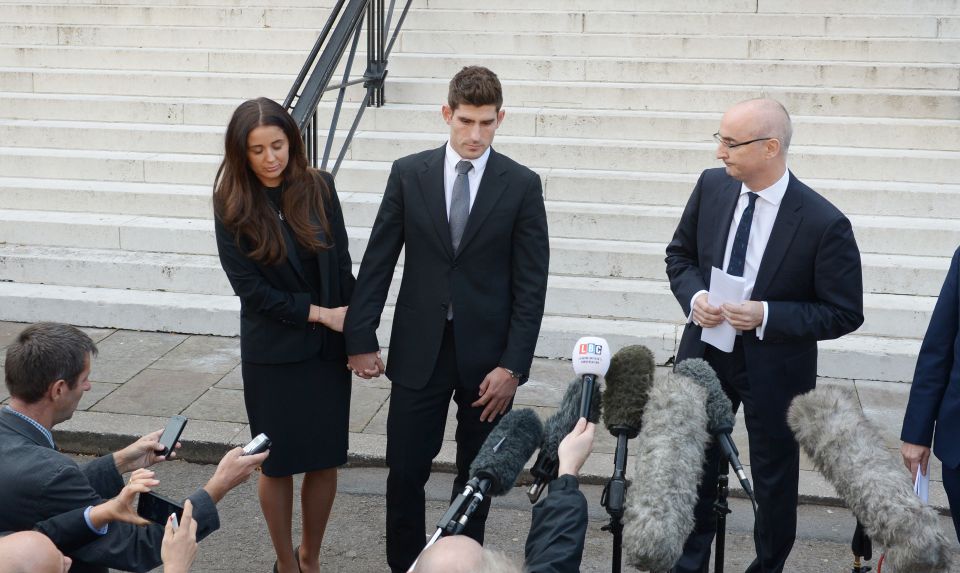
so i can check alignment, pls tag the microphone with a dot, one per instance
(557, 426)
(848, 450)
(495, 469)
(591, 358)
(720, 418)
(628, 383)
(659, 504)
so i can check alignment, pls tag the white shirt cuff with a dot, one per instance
(763, 325)
(86, 517)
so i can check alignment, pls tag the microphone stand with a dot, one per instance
(461, 509)
(722, 509)
(614, 493)
(862, 548)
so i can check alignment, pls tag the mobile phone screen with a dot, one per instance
(157, 508)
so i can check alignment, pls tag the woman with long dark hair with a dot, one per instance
(283, 244)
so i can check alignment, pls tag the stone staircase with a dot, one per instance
(112, 115)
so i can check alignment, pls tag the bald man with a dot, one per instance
(31, 552)
(461, 554)
(801, 269)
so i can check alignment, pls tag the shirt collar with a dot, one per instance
(46, 433)
(774, 193)
(479, 164)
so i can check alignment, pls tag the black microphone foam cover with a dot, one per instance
(561, 422)
(849, 451)
(628, 383)
(507, 449)
(720, 416)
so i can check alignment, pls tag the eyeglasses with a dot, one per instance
(720, 140)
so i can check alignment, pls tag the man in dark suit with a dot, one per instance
(468, 314)
(933, 412)
(801, 266)
(47, 369)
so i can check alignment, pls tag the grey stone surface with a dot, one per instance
(884, 405)
(97, 392)
(213, 354)
(124, 354)
(220, 405)
(233, 380)
(157, 392)
(98, 334)
(365, 401)
(9, 331)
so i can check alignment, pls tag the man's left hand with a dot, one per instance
(496, 391)
(744, 316)
(141, 454)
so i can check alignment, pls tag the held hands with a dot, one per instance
(142, 453)
(179, 547)
(332, 318)
(913, 456)
(496, 391)
(367, 365)
(121, 507)
(575, 448)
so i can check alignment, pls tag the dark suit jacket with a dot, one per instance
(38, 483)
(809, 276)
(558, 529)
(935, 393)
(275, 299)
(497, 280)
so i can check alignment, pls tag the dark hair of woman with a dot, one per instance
(242, 206)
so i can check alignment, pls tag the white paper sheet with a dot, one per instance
(724, 288)
(921, 485)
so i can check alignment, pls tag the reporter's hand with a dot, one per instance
(142, 454)
(179, 548)
(575, 448)
(234, 469)
(121, 507)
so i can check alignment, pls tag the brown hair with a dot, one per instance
(42, 354)
(241, 206)
(475, 85)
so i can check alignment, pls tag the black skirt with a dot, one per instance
(304, 408)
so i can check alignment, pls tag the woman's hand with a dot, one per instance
(332, 318)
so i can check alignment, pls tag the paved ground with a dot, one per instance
(355, 539)
(141, 378)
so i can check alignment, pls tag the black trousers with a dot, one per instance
(775, 468)
(415, 426)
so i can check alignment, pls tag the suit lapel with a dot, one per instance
(431, 187)
(491, 188)
(784, 229)
(727, 206)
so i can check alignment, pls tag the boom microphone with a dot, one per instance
(848, 450)
(495, 469)
(591, 359)
(557, 426)
(659, 507)
(720, 418)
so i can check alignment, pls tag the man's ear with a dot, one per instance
(57, 389)
(447, 113)
(773, 147)
(500, 115)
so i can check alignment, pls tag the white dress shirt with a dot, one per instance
(473, 176)
(764, 215)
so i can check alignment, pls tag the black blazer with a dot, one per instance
(497, 280)
(275, 299)
(809, 275)
(935, 394)
(558, 529)
(38, 483)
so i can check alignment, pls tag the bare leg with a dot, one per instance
(316, 498)
(276, 502)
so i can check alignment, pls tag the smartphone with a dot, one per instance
(257, 445)
(158, 508)
(168, 440)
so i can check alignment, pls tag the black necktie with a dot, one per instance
(738, 255)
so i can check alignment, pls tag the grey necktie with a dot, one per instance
(460, 203)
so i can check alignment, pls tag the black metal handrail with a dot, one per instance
(343, 27)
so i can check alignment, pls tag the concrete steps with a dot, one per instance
(112, 117)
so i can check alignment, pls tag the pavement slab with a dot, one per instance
(157, 392)
(210, 354)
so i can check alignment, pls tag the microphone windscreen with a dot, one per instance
(720, 416)
(507, 449)
(658, 515)
(849, 451)
(561, 422)
(628, 383)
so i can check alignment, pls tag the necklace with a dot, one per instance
(280, 198)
